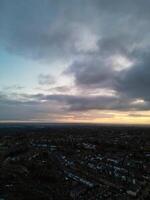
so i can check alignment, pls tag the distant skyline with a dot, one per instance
(75, 61)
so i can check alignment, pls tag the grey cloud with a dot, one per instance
(61, 89)
(46, 79)
(12, 88)
(29, 108)
(57, 106)
(78, 103)
(135, 82)
(40, 30)
(138, 115)
(47, 30)
(97, 72)
(92, 73)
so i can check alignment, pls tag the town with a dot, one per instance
(74, 162)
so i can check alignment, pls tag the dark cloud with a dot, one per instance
(53, 28)
(99, 72)
(76, 102)
(40, 30)
(92, 73)
(59, 106)
(135, 82)
(98, 36)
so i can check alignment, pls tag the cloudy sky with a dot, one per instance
(75, 61)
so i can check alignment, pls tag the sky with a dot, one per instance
(75, 61)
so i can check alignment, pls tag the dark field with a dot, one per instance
(82, 162)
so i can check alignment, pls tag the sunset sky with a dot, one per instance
(75, 61)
